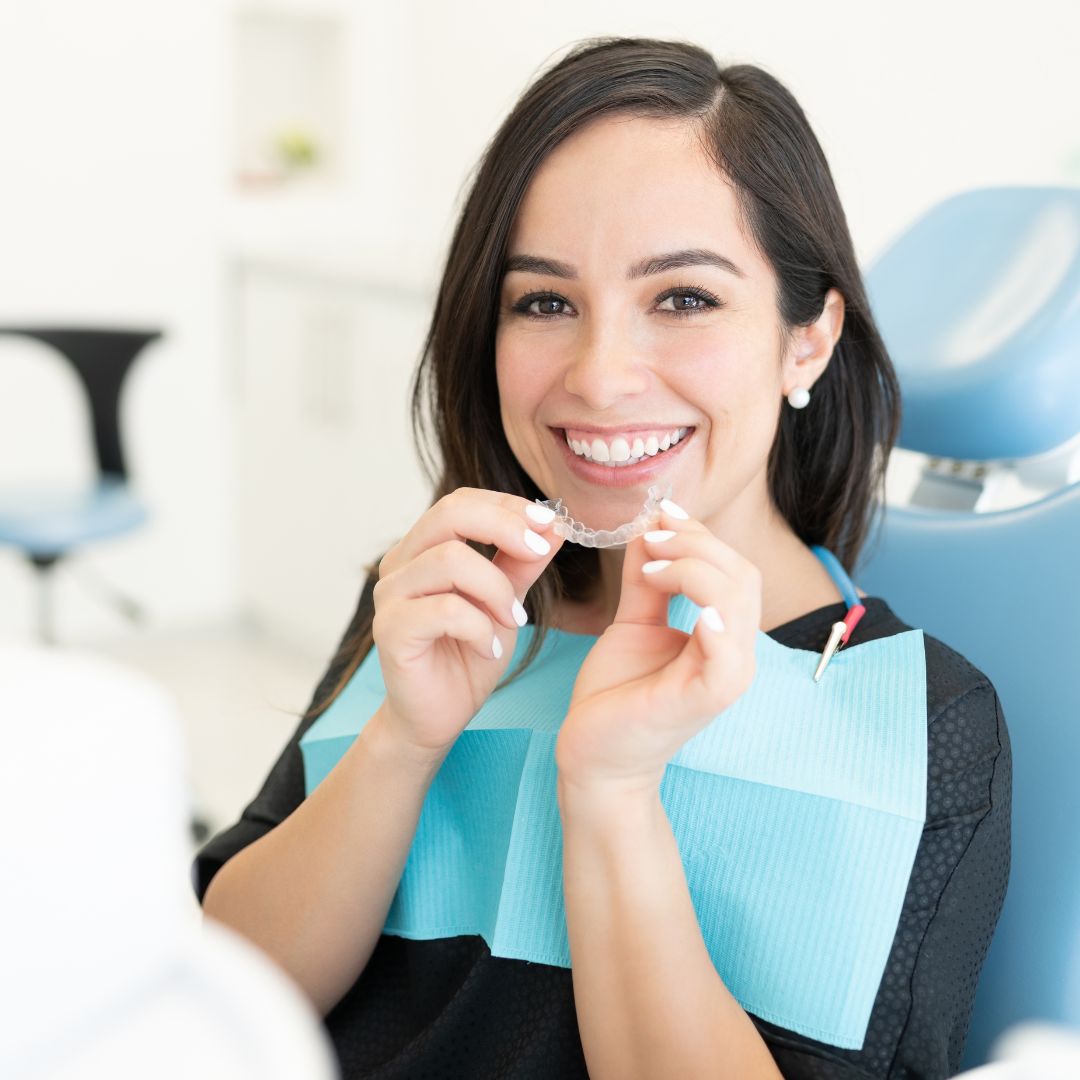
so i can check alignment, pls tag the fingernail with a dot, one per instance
(520, 615)
(656, 564)
(496, 647)
(675, 511)
(542, 514)
(537, 542)
(659, 535)
(712, 619)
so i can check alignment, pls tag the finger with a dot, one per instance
(706, 584)
(692, 537)
(486, 517)
(696, 543)
(640, 601)
(453, 566)
(406, 628)
(707, 667)
(673, 537)
(523, 573)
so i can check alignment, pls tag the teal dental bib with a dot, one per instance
(797, 812)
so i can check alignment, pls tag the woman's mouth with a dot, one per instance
(621, 460)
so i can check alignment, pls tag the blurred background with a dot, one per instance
(272, 185)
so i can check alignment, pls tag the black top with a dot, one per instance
(447, 1009)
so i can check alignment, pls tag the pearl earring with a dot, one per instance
(799, 397)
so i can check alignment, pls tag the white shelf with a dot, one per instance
(288, 89)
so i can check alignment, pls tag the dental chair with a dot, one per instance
(46, 525)
(979, 305)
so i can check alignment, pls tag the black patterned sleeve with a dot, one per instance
(283, 789)
(969, 815)
(921, 1015)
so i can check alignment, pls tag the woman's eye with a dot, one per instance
(686, 301)
(699, 300)
(526, 302)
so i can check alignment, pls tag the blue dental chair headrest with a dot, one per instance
(979, 304)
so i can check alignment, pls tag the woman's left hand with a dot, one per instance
(645, 688)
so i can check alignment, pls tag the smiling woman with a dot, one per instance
(617, 359)
(651, 283)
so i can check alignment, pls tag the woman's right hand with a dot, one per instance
(443, 611)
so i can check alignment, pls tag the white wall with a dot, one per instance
(115, 204)
(911, 101)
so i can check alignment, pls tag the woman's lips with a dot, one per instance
(625, 475)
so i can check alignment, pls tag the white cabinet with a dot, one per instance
(328, 477)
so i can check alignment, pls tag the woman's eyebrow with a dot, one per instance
(652, 264)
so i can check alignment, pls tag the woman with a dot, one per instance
(651, 275)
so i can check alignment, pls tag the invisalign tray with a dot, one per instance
(579, 533)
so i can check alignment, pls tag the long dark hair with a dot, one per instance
(826, 468)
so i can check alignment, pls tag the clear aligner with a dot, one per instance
(578, 533)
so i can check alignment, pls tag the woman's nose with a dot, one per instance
(604, 369)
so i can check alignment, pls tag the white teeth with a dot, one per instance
(622, 452)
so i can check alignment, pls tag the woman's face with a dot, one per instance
(604, 337)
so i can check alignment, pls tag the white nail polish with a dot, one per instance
(536, 542)
(496, 647)
(673, 509)
(658, 536)
(520, 615)
(656, 564)
(542, 514)
(711, 618)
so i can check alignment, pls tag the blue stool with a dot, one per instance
(979, 305)
(45, 525)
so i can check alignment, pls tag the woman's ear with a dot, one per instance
(812, 346)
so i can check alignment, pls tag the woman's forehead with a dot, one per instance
(614, 164)
(626, 190)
